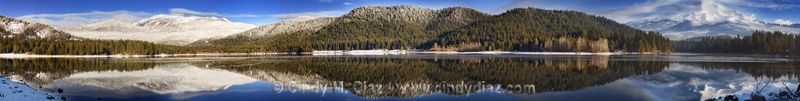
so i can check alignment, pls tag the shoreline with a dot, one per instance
(19, 91)
(403, 52)
(525, 53)
(16, 55)
(358, 52)
(753, 55)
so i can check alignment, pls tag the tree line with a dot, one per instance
(86, 47)
(760, 42)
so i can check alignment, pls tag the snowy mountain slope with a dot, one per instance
(163, 29)
(11, 27)
(108, 25)
(706, 18)
(289, 26)
(281, 27)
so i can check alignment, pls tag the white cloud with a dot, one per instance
(187, 12)
(325, 0)
(782, 22)
(707, 11)
(69, 19)
(347, 3)
(311, 14)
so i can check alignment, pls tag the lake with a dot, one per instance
(406, 77)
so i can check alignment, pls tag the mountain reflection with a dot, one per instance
(41, 71)
(121, 78)
(547, 75)
(182, 79)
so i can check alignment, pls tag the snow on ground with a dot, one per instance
(747, 97)
(15, 55)
(332, 52)
(14, 27)
(12, 55)
(398, 52)
(14, 91)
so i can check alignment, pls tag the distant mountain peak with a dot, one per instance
(165, 20)
(702, 12)
(704, 18)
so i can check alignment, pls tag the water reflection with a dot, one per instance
(120, 78)
(682, 81)
(553, 77)
(546, 75)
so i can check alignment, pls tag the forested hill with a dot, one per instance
(366, 27)
(455, 29)
(533, 29)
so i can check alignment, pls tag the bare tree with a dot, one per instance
(760, 86)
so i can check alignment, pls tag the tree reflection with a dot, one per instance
(546, 74)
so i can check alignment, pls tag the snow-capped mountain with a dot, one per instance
(163, 29)
(11, 27)
(706, 18)
(282, 27)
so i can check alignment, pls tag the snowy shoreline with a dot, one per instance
(320, 53)
(526, 53)
(15, 55)
(402, 52)
(21, 92)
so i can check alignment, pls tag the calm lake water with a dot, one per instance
(405, 77)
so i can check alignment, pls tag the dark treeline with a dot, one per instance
(37, 65)
(86, 47)
(773, 70)
(522, 29)
(760, 42)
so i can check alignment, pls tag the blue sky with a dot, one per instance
(62, 13)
